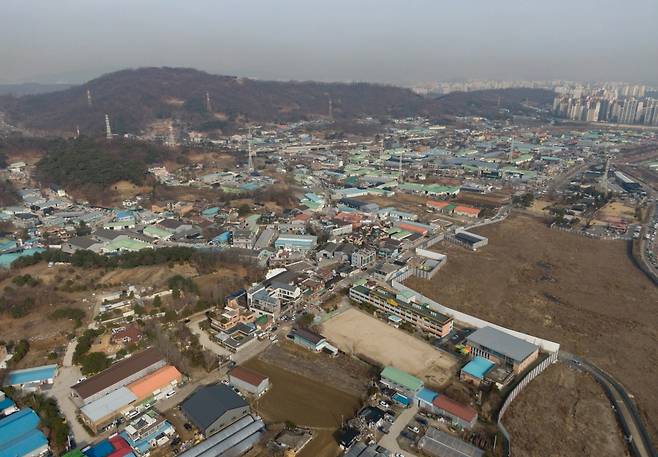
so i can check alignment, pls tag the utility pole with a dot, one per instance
(108, 129)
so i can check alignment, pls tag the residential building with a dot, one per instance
(421, 316)
(461, 415)
(502, 348)
(214, 407)
(363, 258)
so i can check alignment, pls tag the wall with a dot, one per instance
(545, 345)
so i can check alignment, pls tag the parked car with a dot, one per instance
(384, 404)
(170, 394)
(413, 429)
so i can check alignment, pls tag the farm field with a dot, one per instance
(306, 402)
(583, 293)
(574, 407)
(355, 333)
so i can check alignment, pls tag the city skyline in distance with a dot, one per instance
(379, 41)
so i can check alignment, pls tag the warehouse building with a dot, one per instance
(214, 407)
(101, 412)
(294, 242)
(420, 315)
(468, 239)
(502, 348)
(32, 378)
(311, 341)
(234, 440)
(249, 380)
(20, 435)
(436, 443)
(117, 375)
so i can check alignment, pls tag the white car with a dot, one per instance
(383, 404)
(414, 429)
(84, 378)
(170, 394)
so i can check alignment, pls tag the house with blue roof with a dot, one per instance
(425, 397)
(20, 435)
(476, 370)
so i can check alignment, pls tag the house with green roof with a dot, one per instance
(401, 381)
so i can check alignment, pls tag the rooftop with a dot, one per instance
(208, 403)
(502, 343)
(402, 378)
(478, 367)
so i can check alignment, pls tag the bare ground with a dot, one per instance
(585, 294)
(573, 407)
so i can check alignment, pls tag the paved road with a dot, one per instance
(389, 441)
(68, 375)
(635, 432)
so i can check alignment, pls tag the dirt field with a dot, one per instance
(574, 407)
(615, 210)
(357, 333)
(540, 206)
(305, 401)
(585, 294)
(152, 275)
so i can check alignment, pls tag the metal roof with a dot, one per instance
(502, 343)
(402, 378)
(208, 403)
(108, 404)
(241, 434)
(440, 444)
(478, 367)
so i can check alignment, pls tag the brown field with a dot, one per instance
(615, 210)
(583, 293)
(307, 402)
(404, 202)
(490, 200)
(574, 407)
(355, 332)
(540, 206)
(152, 275)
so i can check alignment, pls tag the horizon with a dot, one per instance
(377, 41)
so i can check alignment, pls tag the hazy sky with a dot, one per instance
(402, 41)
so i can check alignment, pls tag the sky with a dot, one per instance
(398, 42)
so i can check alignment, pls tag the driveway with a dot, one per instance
(204, 337)
(389, 441)
(61, 391)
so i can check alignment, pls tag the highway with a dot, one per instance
(635, 432)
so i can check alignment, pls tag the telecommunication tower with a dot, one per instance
(108, 129)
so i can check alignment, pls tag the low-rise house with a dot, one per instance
(460, 414)
(126, 335)
(312, 341)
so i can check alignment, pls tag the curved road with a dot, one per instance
(635, 432)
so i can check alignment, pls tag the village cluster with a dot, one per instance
(369, 214)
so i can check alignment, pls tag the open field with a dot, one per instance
(151, 275)
(355, 332)
(305, 401)
(404, 202)
(574, 407)
(585, 294)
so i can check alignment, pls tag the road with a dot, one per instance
(389, 441)
(68, 375)
(635, 432)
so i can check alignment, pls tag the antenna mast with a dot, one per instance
(108, 129)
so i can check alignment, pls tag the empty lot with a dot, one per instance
(357, 333)
(585, 294)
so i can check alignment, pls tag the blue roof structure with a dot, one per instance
(426, 395)
(102, 449)
(35, 374)
(6, 403)
(19, 434)
(478, 367)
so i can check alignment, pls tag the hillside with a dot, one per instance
(137, 98)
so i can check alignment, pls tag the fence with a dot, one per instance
(548, 346)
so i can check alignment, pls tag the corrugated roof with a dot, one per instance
(402, 378)
(108, 404)
(455, 408)
(159, 379)
(19, 434)
(117, 372)
(426, 395)
(502, 343)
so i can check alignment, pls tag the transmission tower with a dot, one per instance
(171, 140)
(331, 106)
(251, 153)
(603, 183)
(511, 149)
(108, 129)
(208, 104)
(89, 98)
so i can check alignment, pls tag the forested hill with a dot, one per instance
(135, 99)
